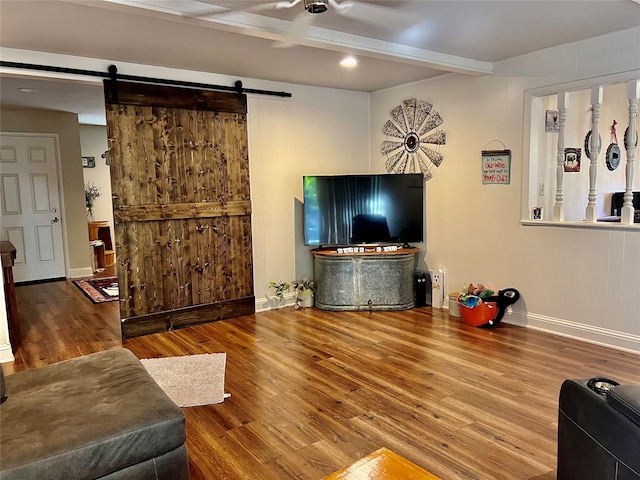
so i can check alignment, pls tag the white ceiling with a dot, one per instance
(396, 42)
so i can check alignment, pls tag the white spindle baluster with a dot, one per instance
(558, 208)
(596, 101)
(630, 141)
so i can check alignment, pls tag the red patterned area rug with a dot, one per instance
(99, 290)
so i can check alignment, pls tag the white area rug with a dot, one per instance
(190, 380)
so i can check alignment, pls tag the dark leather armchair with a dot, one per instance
(598, 431)
(96, 416)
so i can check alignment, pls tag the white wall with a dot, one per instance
(577, 282)
(317, 131)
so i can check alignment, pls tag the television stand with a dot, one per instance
(367, 280)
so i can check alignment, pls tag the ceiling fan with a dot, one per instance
(321, 6)
(355, 10)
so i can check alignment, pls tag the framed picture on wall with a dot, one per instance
(552, 121)
(496, 167)
(88, 162)
(572, 159)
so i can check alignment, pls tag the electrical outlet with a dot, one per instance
(436, 281)
(437, 288)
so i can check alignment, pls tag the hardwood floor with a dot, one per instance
(313, 391)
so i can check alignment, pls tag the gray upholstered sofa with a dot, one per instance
(96, 416)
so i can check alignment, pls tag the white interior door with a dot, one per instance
(31, 218)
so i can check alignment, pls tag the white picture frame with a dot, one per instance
(537, 213)
(552, 121)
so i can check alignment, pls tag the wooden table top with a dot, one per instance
(332, 252)
(383, 464)
(8, 253)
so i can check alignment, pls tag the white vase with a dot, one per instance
(305, 299)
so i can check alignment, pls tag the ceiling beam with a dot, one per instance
(317, 37)
(276, 30)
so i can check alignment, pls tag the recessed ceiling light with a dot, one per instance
(349, 61)
(28, 90)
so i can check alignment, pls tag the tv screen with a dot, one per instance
(363, 209)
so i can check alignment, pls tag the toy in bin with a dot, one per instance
(481, 308)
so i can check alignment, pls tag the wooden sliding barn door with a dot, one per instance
(182, 207)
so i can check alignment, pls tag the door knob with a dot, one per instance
(56, 219)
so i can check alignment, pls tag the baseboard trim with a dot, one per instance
(6, 355)
(578, 331)
(273, 303)
(80, 272)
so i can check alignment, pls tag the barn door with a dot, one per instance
(182, 207)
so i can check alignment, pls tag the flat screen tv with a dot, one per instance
(363, 209)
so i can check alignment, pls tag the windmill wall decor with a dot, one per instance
(414, 146)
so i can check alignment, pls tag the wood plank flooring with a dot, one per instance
(313, 391)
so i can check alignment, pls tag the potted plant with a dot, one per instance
(280, 288)
(304, 290)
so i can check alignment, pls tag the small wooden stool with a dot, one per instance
(383, 464)
(105, 255)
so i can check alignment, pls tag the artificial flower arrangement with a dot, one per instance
(91, 192)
